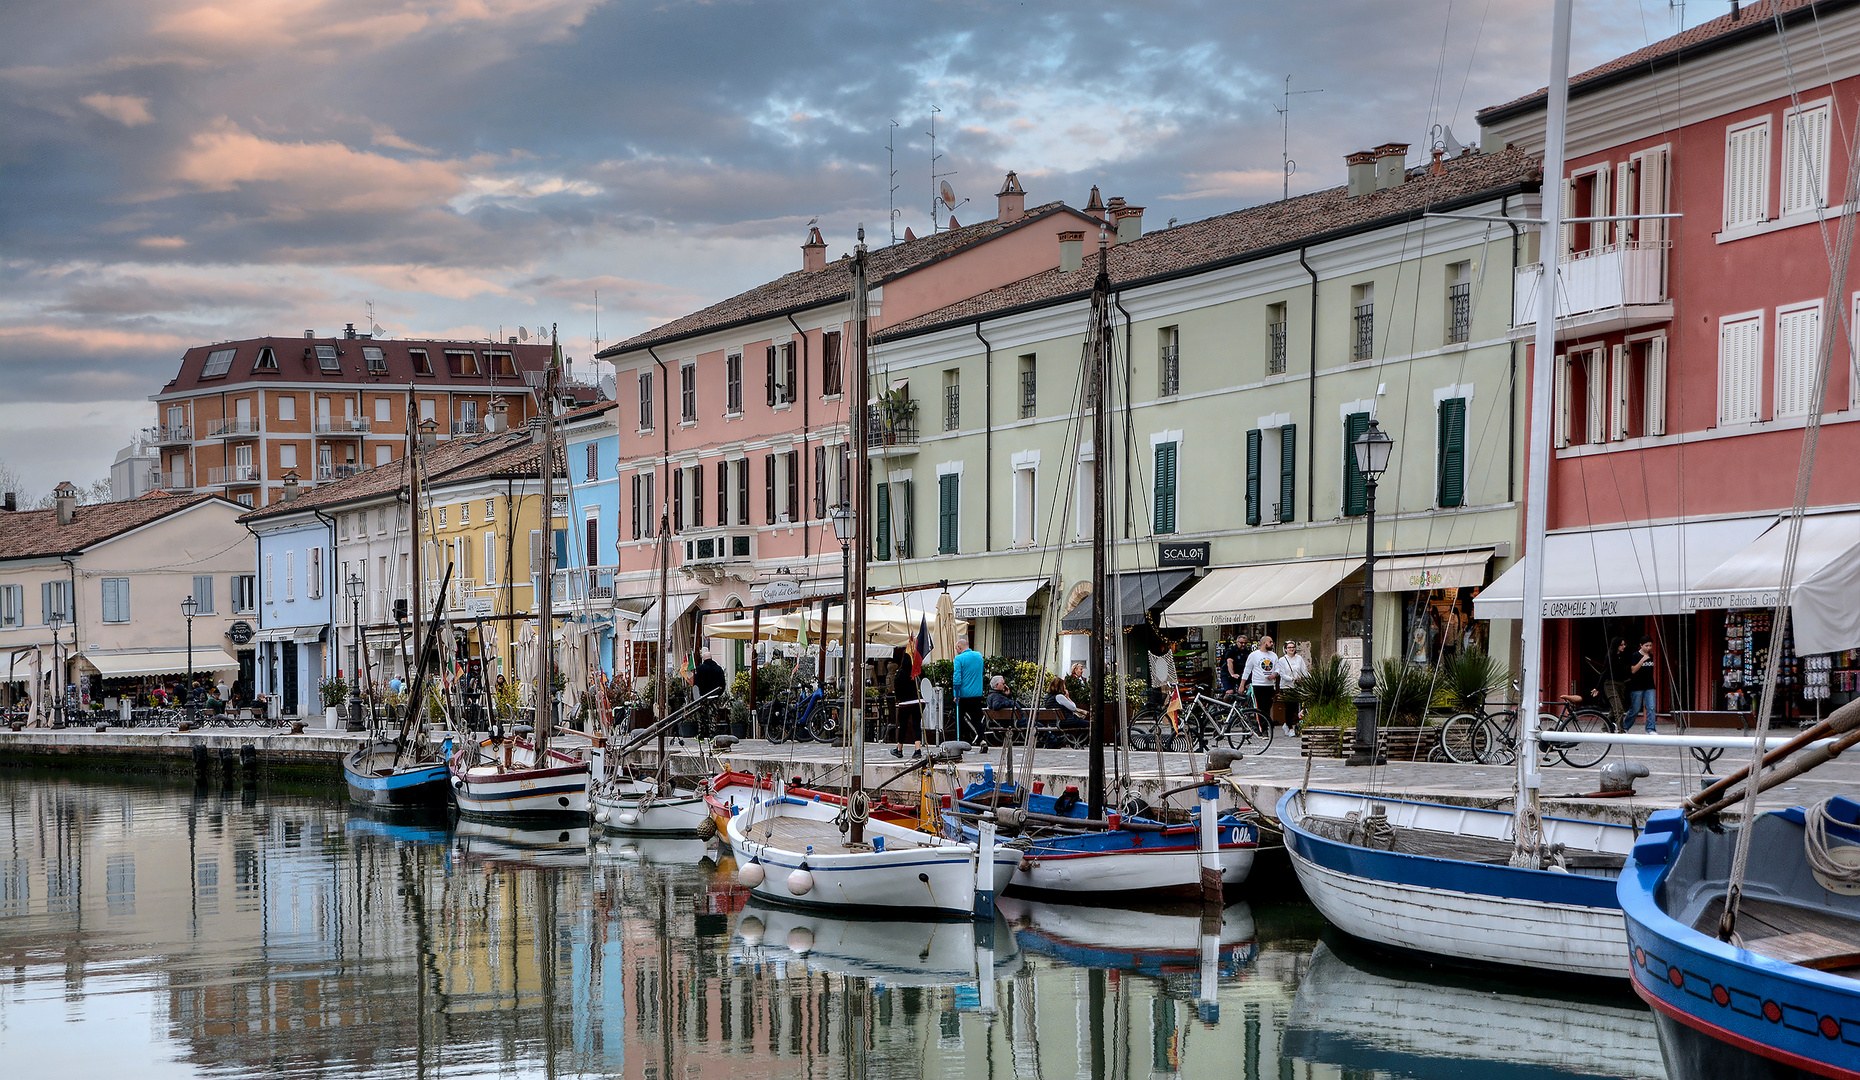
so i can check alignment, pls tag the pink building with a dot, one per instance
(1687, 350)
(734, 419)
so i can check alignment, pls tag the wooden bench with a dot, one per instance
(1047, 724)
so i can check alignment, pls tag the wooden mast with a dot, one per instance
(545, 608)
(1103, 626)
(853, 612)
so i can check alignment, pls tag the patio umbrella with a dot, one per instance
(886, 625)
(943, 628)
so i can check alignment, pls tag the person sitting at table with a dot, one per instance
(1071, 715)
(999, 698)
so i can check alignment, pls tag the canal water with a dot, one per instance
(150, 930)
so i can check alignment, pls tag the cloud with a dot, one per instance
(307, 177)
(125, 109)
(162, 242)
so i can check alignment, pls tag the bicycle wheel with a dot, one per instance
(1584, 754)
(1501, 738)
(1465, 739)
(1249, 726)
(825, 722)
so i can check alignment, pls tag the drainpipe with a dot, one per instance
(329, 524)
(800, 462)
(1129, 492)
(1311, 409)
(988, 440)
(1511, 394)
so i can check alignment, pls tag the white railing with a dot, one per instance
(172, 480)
(467, 427)
(347, 425)
(232, 429)
(1619, 275)
(583, 583)
(171, 433)
(222, 475)
(326, 473)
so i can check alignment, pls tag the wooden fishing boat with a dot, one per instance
(375, 777)
(490, 780)
(1154, 941)
(629, 805)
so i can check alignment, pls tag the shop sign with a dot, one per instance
(240, 632)
(781, 592)
(1732, 600)
(1182, 554)
(1421, 580)
(481, 605)
(1581, 609)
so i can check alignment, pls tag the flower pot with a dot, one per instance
(687, 729)
(331, 718)
(739, 728)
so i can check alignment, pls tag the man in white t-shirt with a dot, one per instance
(1261, 674)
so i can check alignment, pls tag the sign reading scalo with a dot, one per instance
(1182, 554)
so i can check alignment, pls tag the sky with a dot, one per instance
(176, 172)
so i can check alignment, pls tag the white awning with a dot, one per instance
(1417, 573)
(1266, 592)
(648, 625)
(126, 665)
(1823, 614)
(299, 634)
(995, 599)
(1633, 570)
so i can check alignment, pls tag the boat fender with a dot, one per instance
(1025, 866)
(707, 828)
(629, 818)
(801, 939)
(801, 882)
(458, 782)
(751, 875)
(602, 817)
(750, 929)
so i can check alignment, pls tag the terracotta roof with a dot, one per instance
(1756, 19)
(1245, 234)
(510, 453)
(810, 288)
(36, 534)
(297, 363)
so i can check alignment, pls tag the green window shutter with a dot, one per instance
(1453, 452)
(1165, 487)
(1252, 476)
(1288, 472)
(948, 493)
(881, 529)
(1355, 494)
(907, 503)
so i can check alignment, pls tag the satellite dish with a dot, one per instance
(523, 332)
(949, 195)
(542, 332)
(1451, 145)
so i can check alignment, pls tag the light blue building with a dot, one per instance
(586, 596)
(296, 589)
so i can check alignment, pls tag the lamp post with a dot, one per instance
(1372, 450)
(188, 608)
(843, 530)
(57, 621)
(354, 588)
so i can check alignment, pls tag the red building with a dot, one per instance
(1687, 351)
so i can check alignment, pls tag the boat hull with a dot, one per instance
(1162, 872)
(484, 791)
(623, 812)
(373, 780)
(1464, 911)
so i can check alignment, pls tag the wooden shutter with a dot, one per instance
(820, 482)
(1625, 193)
(793, 506)
(1253, 440)
(1562, 402)
(1798, 339)
(1566, 233)
(905, 513)
(1746, 176)
(771, 375)
(768, 489)
(1355, 492)
(723, 492)
(636, 506)
(1288, 472)
(678, 500)
(697, 495)
(1597, 393)
(1452, 442)
(742, 491)
(650, 518)
(1600, 205)
(881, 528)
(1739, 351)
(790, 385)
(948, 503)
(1804, 173)
(1654, 395)
(109, 601)
(1652, 181)
(1165, 487)
(536, 551)
(1618, 394)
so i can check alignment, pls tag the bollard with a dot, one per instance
(985, 868)
(203, 768)
(229, 764)
(1210, 848)
(248, 763)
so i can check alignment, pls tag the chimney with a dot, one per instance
(1437, 168)
(499, 419)
(349, 331)
(1127, 219)
(309, 335)
(1391, 164)
(65, 497)
(1362, 172)
(1095, 205)
(1011, 200)
(1071, 251)
(513, 341)
(538, 427)
(291, 490)
(429, 434)
(12, 502)
(814, 252)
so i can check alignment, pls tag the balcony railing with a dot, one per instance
(581, 584)
(233, 429)
(890, 430)
(1588, 282)
(171, 480)
(346, 425)
(468, 427)
(170, 434)
(326, 473)
(233, 475)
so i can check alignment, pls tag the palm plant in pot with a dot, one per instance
(1326, 695)
(1470, 678)
(1404, 692)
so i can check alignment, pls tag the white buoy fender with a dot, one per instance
(627, 817)
(750, 929)
(801, 882)
(801, 939)
(602, 818)
(750, 876)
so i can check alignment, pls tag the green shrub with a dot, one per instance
(1024, 680)
(1332, 683)
(1404, 692)
(771, 678)
(942, 673)
(1470, 678)
(335, 691)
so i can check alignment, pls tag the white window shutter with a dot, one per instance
(1625, 191)
(1598, 397)
(1618, 394)
(1568, 232)
(1562, 401)
(1652, 195)
(1656, 386)
(536, 551)
(1601, 203)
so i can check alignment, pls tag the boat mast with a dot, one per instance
(1103, 626)
(1528, 830)
(545, 608)
(416, 604)
(852, 614)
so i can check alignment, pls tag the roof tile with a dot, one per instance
(36, 534)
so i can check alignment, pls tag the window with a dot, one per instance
(687, 392)
(287, 407)
(820, 482)
(649, 519)
(384, 410)
(490, 511)
(591, 540)
(116, 600)
(1450, 454)
(1026, 486)
(428, 406)
(268, 578)
(781, 374)
(768, 489)
(245, 593)
(1168, 362)
(375, 359)
(1355, 491)
(1029, 387)
(903, 513)
(733, 384)
(1020, 637)
(1459, 302)
(638, 505)
(327, 360)
(830, 363)
(1586, 195)
(461, 362)
(1165, 487)
(948, 513)
(1798, 337)
(1740, 370)
(290, 576)
(1275, 339)
(287, 456)
(468, 416)
(441, 516)
(342, 526)
(697, 495)
(843, 474)
(593, 464)
(384, 455)
(1637, 389)
(502, 364)
(464, 518)
(267, 360)
(12, 605)
(1580, 398)
(1363, 321)
(203, 594)
(952, 399)
(791, 465)
(645, 401)
(422, 363)
(313, 574)
(742, 491)
(55, 601)
(1747, 174)
(881, 525)
(1270, 452)
(219, 361)
(1805, 161)
(678, 500)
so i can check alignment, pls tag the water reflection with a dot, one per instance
(151, 930)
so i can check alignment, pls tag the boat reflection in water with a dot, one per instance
(657, 851)
(896, 952)
(535, 844)
(1360, 1012)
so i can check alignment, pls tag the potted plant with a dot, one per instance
(1469, 678)
(739, 717)
(335, 691)
(1327, 697)
(896, 413)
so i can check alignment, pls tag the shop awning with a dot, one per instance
(1139, 593)
(127, 665)
(303, 635)
(1636, 570)
(1822, 611)
(1418, 573)
(1266, 592)
(648, 625)
(994, 599)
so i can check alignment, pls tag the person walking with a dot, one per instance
(1640, 687)
(909, 705)
(1262, 675)
(1611, 678)
(1292, 667)
(970, 692)
(1233, 660)
(709, 679)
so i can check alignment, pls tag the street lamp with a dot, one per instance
(1372, 450)
(843, 530)
(355, 648)
(57, 621)
(188, 608)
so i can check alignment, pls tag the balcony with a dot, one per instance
(337, 428)
(171, 434)
(326, 473)
(233, 476)
(890, 435)
(233, 429)
(581, 585)
(1618, 287)
(715, 554)
(468, 427)
(172, 480)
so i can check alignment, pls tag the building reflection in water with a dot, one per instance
(287, 935)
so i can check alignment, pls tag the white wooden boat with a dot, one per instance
(490, 780)
(626, 805)
(900, 952)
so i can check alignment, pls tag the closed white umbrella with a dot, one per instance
(945, 627)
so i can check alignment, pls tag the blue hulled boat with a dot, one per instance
(376, 778)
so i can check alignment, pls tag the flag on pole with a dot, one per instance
(920, 646)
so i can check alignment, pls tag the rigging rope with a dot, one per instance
(1818, 848)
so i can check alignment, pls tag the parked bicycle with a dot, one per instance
(1490, 737)
(802, 714)
(1206, 722)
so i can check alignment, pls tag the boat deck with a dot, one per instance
(1795, 935)
(797, 834)
(1444, 845)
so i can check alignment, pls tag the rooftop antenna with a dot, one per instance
(523, 332)
(936, 190)
(597, 321)
(891, 155)
(1286, 164)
